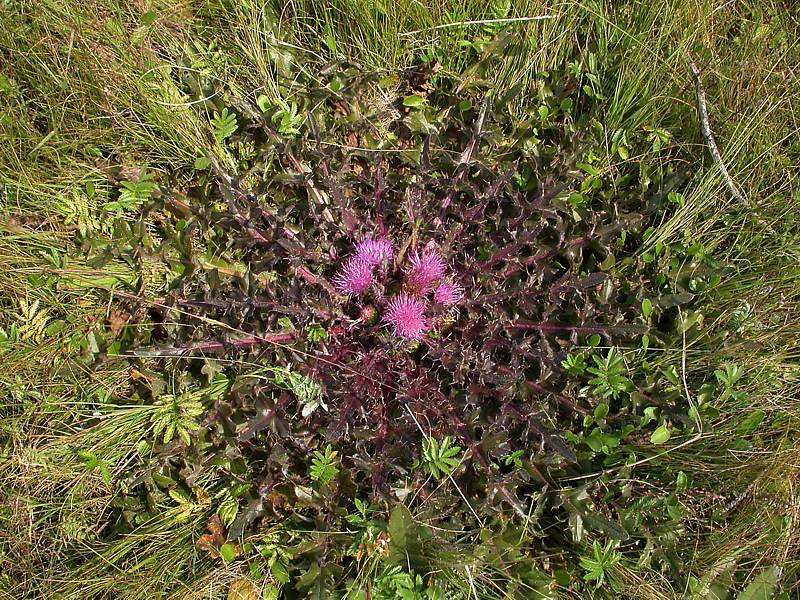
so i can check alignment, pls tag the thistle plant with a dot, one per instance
(448, 293)
(444, 294)
(355, 277)
(375, 251)
(405, 314)
(426, 269)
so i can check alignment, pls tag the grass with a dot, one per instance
(85, 101)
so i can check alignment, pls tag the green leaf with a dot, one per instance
(86, 455)
(599, 522)
(751, 423)
(323, 466)
(279, 572)
(228, 509)
(227, 552)
(315, 333)
(647, 308)
(210, 262)
(149, 17)
(308, 578)
(762, 587)
(418, 123)
(575, 521)
(270, 592)
(170, 432)
(183, 433)
(599, 441)
(403, 536)
(180, 496)
(544, 112)
(413, 101)
(661, 435)
(439, 458)
(224, 125)
(104, 472)
(55, 327)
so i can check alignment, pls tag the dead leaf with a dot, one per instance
(340, 109)
(206, 542)
(216, 528)
(210, 542)
(117, 321)
(351, 139)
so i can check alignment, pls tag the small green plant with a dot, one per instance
(315, 333)
(362, 518)
(597, 567)
(132, 194)
(8, 338)
(308, 392)
(439, 458)
(575, 364)
(740, 317)
(323, 466)
(287, 119)
(176, 415)
(610, 375)
(224, 125)
(273, 549)
(31, 322)
(728, 377)
(515, 459)
(92, 462)
(186, 505)
(396, 584)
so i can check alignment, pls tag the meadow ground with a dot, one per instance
(109, 107)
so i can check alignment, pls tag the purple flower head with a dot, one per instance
(406, 316)
(374, 252)
(354, 278)
(425, 271)
(448, 293)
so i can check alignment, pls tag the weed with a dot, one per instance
(439, 458)
(602, 560)
(323, 466)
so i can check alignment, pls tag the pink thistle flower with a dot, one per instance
(426, 270)
(448, 293)
(375, 252)
(406, 316)
(354, 278)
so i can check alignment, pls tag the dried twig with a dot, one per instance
(708, 136)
